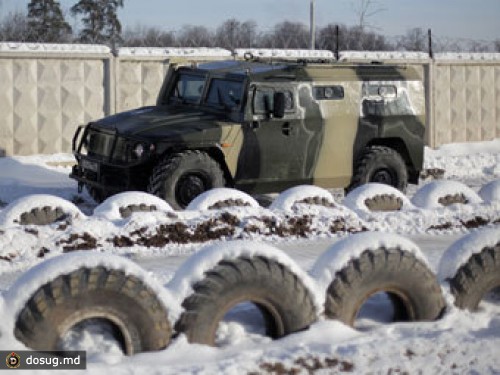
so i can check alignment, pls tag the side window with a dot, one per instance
(263, 100)
(385, 100)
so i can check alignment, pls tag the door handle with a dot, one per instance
(286, 129)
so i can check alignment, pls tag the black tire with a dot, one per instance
(94, 293)
(181, 177)
(477, 277)
(380, 164)
(413, 289)
(42, 216)
(285, 303)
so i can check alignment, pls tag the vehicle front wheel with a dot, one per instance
(382, 165)
(181, 177)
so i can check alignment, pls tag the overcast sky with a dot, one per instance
(468, 19)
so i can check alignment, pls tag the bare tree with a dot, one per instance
(365, 10)
(414, 40)
(195, 36)
(15, 28)
(142, 36)
(497, 45)
(234, 34)
(287, 35)
(352, 38)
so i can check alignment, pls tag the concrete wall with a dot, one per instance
(466, 100)
(46, 91)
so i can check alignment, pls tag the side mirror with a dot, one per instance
(279, 105)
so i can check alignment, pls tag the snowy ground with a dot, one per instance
(461, 342)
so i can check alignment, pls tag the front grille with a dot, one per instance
(100, 146)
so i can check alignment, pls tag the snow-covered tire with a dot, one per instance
(437, 194)
(181, 177)
(376, 197)
(477, 277)
(303, 194)
(121, 206)
(221, 198)
(38, 210)
(490, 192)
(471, 265)
(380, 164)
(94, 293)
(362, 265)
(412, 287)
(286, 304)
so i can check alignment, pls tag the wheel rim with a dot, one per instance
(384, 176)
(189, 187)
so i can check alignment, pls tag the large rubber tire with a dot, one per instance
(181, 177)
(477, 277)
(285, 303)
(413, 289)
(380, 164)
(88, 293)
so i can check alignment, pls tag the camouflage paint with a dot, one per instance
(315, 143)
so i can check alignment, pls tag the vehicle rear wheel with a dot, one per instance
(382, 165)
(181, 177)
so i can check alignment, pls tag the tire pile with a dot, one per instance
(146, 317)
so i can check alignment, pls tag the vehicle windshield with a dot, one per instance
(222, 93)
(188, 88)
(225, 93)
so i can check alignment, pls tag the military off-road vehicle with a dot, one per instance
(260, 126)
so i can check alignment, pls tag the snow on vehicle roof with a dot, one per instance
(13, 211)
(110, 208)
(356, 199)
(194, 268)
(284, 53)
(53, 48)
(428, 195)
(382, 55)
(351, 247)
(174, 52)
(204, 201)
(460, 251)
(28, 283)
(490, 192)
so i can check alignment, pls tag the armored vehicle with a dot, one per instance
(260, 126)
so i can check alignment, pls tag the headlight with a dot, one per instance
(138, 150)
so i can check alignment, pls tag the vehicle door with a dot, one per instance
(273, 155)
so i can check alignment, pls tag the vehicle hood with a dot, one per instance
(153, 122)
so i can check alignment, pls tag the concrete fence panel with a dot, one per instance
(46, 91)
(466, 99)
